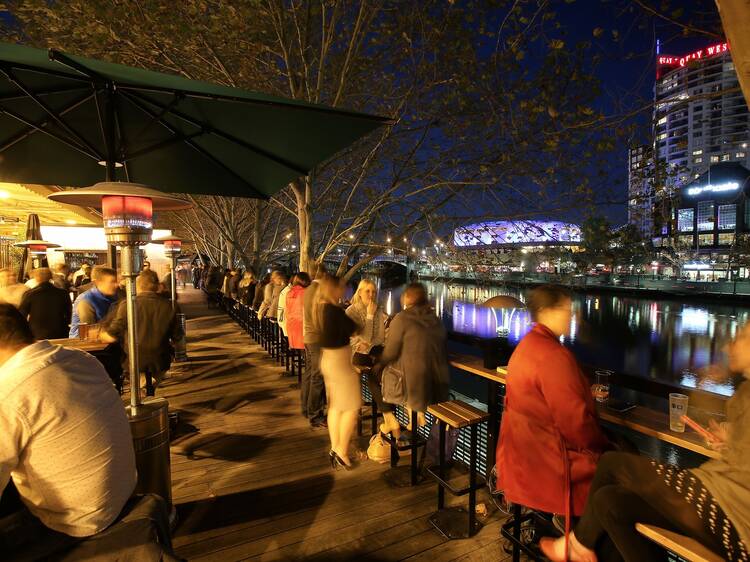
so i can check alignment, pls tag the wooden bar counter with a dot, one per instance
(647, 421)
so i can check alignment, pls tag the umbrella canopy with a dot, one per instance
(76, 121)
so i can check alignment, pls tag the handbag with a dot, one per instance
(433, 442)
(378, 450)
(393, 386)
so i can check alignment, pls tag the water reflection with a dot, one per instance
(663, 340)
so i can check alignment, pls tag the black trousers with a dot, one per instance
(373, 385)
(627, 490)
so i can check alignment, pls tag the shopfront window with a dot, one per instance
(727, 216)
(685, 220)
(685, 241)
(705, 215)
(726, 238)
(705, 239)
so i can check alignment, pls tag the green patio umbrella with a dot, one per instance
(75, 121)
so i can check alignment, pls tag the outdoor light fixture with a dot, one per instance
(127, 214)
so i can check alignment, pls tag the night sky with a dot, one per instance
(629, 70)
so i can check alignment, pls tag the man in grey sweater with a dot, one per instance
(312, 388)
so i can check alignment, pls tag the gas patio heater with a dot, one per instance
(36, 249)
(172, 249)
(127, 215)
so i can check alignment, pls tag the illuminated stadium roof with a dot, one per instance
(517, 232)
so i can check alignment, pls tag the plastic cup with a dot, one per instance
(678, 405)
(600, 388)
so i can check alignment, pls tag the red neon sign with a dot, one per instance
(674, 61)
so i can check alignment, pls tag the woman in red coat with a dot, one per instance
(550, 439)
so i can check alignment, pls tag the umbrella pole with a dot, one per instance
(128, 272)
(174, 282)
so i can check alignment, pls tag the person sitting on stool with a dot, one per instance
(417, 344)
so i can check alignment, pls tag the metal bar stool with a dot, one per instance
(403, 476)
(452, 523)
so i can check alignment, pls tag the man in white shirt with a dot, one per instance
(65, 439)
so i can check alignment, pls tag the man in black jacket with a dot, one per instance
(158, 328)
(46, 307)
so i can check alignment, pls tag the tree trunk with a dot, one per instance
(303, 195)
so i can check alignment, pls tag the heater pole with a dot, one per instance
(128, 271)
(174, 282)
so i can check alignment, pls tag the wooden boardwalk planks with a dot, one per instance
(251, 480)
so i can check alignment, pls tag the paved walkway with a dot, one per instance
(251, 480)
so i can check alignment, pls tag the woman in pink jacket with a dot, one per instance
(294, 310)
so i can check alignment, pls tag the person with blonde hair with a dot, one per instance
(340, 378)
(367, 344)
(246, 288)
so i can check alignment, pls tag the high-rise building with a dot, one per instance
(700, 118)
(640, 189)
(700, 115)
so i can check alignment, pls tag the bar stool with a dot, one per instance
(452, 523)
(403, 476)
(374, 415)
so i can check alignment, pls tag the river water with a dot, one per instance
(667, 340)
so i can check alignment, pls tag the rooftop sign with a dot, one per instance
(671, 60)
(718, 188)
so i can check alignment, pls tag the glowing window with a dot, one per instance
(685, 220)
(705, 215)
(727, 216)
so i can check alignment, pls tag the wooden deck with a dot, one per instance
(251, 480)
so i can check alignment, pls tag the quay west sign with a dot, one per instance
(710, 188)
(713, 50)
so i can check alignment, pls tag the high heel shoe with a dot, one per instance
(332, 458)
(337, 462)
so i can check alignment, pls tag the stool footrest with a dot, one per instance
(451, 523)
(507, 532)
(403, 444)
(445, 482)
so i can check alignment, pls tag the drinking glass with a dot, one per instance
(678, 405)
(83, 331)
(600, 389)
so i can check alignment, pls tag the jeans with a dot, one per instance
(627, 490)
(312, 388)
(22, 535)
